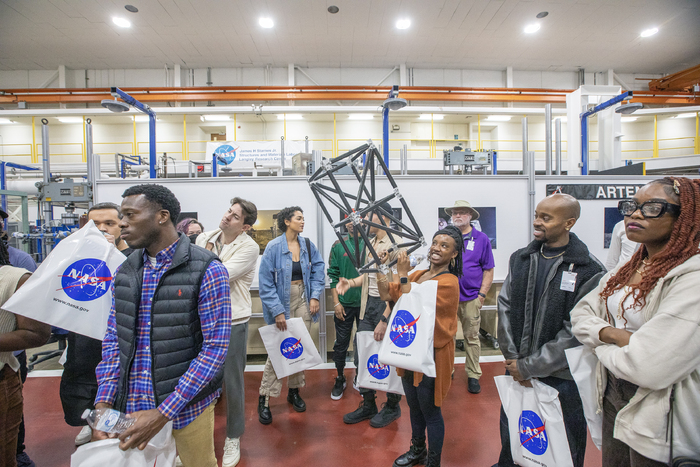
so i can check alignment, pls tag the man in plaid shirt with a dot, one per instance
(168, 331)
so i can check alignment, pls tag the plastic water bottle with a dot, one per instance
(416, 260)
(107, 420)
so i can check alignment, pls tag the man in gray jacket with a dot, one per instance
(544, 282)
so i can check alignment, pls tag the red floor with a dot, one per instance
(317, 437)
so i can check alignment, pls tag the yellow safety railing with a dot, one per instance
(8, 150)
(672, 148)
(38, 149)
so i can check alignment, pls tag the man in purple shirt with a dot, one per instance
(477, 276)
(168, 331)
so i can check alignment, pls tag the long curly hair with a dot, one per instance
(681, 245)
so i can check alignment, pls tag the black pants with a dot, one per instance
(22, 358)
(425, 415)
(574, 421)
(343, 331)
(373, 311)
(618, 393)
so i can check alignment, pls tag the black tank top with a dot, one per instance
(296, 271)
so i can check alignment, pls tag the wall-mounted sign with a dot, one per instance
(594, 191)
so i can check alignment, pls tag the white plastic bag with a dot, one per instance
(71, 287)
(535, 423)
(372, 374)
(408, 342)
(290, 351)
(583, 364)
(160, 452)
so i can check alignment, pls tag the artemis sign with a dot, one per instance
(595, 191)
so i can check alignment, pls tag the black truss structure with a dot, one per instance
(358, 208)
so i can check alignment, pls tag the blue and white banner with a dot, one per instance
(371, 373)
(71, 289)
(290, 351)
(408, 342)
(262, 152)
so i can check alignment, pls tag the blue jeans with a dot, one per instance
(574, 421)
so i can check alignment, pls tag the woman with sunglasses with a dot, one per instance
(643, 323)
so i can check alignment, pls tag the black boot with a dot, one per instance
(264, 414)
(390, 411)
(433, 459)
(295, 399)
(366, 410)
(415, 455)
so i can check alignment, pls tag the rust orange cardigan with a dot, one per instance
(445, 330)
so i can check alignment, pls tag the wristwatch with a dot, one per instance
(482, 295)
(404, 280)
(384, 319)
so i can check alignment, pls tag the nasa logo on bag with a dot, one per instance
(291, 348)
(533, 436)
(87, 279)
(376, 369)
(403, 329)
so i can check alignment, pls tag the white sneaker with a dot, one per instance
(178, 462)
(84, 436)
(232, 452)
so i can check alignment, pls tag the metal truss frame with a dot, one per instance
(358, 208)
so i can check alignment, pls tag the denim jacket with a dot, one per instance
(275, 277)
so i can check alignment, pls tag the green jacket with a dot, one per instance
(339, 265)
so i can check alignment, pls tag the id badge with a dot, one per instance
(568, 281)
(470, 245)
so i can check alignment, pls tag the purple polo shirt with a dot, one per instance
(475, 261)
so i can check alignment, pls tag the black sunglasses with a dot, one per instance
(649, 209)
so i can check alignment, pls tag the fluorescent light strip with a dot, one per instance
(498, 118)
(688, 115)
(649, 32)
(431, 117)
(628, 119)
(5, 121)
(70, 119)
(215, 118)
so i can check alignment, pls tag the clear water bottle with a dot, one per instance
(107, 420)
(416, 260)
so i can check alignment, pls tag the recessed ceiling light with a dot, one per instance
(333, 9)
(498, 118)
(290, 116)
(121, 22)
(215, 118)
(131, 8)
(530, 28)
(266, 23)
(403, 24)
(688, 115)
(5, 121)
(649, 32)
(628, 119)
(431, 117)
(361, 117)
(542, 14)
(70, 119)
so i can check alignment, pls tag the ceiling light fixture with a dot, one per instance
(431, 117)
(688, 115)
(542, 14)
(121, 22)
(6, 121)
(498, 118)
(266, 23)
(333, 9)
(131, 8)
(649, 32)
(403, 24)
(360, 117)
(289, 116)
(532, 28)
(215, 118)
(628, 119)
(70, 119)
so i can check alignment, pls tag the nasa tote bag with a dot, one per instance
(408, 342)
(372, 374)
(290, 351)
(535, 423)
(71, 288)
(583, 364)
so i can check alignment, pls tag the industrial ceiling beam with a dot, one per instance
(680, 81)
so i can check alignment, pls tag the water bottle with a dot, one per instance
(107, 420)
(416, 260)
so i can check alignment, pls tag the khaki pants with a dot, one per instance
(195, 442)
(271, 385)
(469, 314)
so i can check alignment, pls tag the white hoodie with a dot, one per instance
(663, 352)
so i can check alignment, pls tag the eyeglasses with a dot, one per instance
(649, 209)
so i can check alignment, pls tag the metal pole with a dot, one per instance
(47, 211)
(322, 338)
(531, 187)
(405, 159)
(524, 145)
(281, 172)
(214, 166)
(306, 145)
(494, 163)
(152, 144)
(557, 146)
(584, 145)
(89, 156)
(385, 135)
(548, 139)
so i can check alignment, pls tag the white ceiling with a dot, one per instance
(471, 34)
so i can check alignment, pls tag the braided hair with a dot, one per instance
(681, 245)
(4, 254)
(456, 264)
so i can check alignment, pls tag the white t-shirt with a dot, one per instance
(632, 319)
(621, 247)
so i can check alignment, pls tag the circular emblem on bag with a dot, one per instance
(376, 369)
(533, 436)
(291, 348)
(86, 279)
(403, 329)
